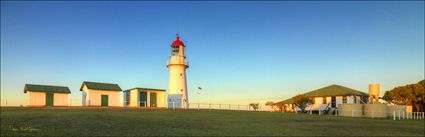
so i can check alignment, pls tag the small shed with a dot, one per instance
(46, 95)
(144, 97)
(100, 94)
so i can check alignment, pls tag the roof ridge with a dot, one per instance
(45, 85)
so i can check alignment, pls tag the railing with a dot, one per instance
(210, 106)
(395, 115)
(183, 61)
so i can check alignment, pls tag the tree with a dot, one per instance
(272, 105)
(412, 94)
(254, 106)
(269, 103)
(416, 96)
(422, 82)
(301, 101)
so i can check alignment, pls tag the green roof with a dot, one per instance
(287, 101)
(332, 90)
(46, 88)
(144, 89)
(100, 86)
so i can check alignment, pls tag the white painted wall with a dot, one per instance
(328, 99)
(60, 99)
(36, 98)
(177, 78)
(134, 98)
(160, 95)
(93, 97)
(338, 100)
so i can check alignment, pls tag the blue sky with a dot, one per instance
(239, 52)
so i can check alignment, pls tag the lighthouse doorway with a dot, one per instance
(175, 101)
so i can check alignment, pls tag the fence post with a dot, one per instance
(418, 115)
(393, 115)
(173, 106)
(414, 115)
(320, 112)
(336, 112)
(403, 114)
(399, 115)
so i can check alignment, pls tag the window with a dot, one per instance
(355, 99)
(181, 74)
(312, 100)
(181, 90)
(174, 50)
(344, 99)
(324, 100)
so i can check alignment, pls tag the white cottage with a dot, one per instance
(144, 97)
(45, 95)
(100, 94)
(328, 97)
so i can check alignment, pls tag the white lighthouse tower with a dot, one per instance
(177, 65)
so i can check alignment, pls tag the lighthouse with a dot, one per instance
(177, 65)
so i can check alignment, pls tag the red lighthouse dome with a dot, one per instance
(177, 42)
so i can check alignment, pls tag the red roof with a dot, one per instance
(177, 42)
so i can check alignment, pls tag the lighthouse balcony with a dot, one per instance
(178, 62)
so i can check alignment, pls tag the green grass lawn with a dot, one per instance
(140, 122)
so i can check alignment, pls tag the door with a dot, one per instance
(153, 100)
(49, 99)
(104, 100)
(333, 99)
(143, 97)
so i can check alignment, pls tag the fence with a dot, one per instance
(210, 106)
(395, 115)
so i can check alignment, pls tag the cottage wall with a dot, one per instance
(36, 98)
(60, 99)
(93, 97)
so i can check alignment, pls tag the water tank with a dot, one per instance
(350, 110)
(377, 110)
(374, 93)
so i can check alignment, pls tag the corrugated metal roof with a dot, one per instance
(100, 86)
(287, 101)
(144, 89)
(46, 88)
(332, 90)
